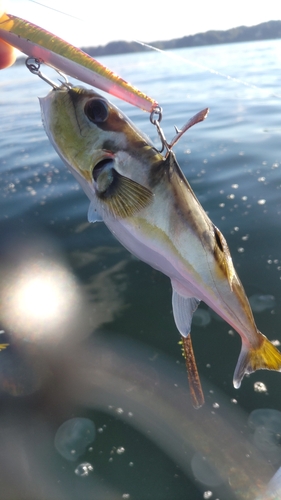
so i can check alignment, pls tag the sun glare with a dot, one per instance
(40, 300)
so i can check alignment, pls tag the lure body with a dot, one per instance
(149, 206)
(53, 51)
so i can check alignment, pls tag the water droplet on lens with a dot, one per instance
(266, 424)
(201, 317)
(204, 471)
(265, 417)
(84, 469)
(260, 303)
(74, 436)
(215, 315)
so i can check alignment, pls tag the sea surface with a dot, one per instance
(90, 328)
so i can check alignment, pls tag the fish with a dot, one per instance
(148, 204)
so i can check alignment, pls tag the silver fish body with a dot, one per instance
(147, 203)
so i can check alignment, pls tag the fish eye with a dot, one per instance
(96, 110)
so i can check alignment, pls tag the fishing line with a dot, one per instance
(206, 68)
(57, 10)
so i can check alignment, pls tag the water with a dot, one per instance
(112, 355)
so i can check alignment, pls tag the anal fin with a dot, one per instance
(183, 309)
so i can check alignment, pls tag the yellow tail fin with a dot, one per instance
(266, 356)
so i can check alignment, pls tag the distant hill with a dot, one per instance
(264, 31)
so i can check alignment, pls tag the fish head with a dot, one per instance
(102, 148)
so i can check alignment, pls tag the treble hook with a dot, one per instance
(34, 64)
(156, 121)
(199, 117)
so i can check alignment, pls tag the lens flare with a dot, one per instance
(39, 300)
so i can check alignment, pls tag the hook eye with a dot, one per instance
(34, 65)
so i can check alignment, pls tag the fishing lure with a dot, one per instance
(49, 49)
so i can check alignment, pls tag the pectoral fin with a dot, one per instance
(93, 214)
(126, 197)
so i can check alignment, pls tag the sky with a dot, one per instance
(100, 22)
